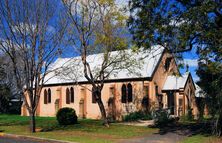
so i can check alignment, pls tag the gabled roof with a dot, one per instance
(174, 82)
(70, 70)
(199, 92)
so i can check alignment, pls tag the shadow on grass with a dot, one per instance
(187, 128)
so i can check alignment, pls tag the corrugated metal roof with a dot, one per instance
(175, 82)
(68, 70)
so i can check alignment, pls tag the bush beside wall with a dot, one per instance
(139, 115)
(66, 116)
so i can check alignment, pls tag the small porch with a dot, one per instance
(175, 88)
(175, 103)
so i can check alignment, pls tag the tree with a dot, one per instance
(181, 25)
(97, 26)
(4, 98)
(30, 37)
(4, 91)
(7, 77)
(210, 74)
(178, 25)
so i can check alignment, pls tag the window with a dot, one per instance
(72, 94)
(123, 99)
(127, 93)
(67, 96)
(130, 92)
(45, 96)
(49, 95)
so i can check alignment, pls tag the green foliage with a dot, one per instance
(66, 116)
(179, 25)
(161, 118)
(210, 73)
(188, 117)
(200, 105)
(139, 115)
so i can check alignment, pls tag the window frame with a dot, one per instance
(45, 96)
(67, 96)
(129, 93)
(72, 95)
(49, 98)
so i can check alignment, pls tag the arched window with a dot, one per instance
(67, 96)
(72, 94)
(123, 99)
(49, 95)
(45, 96)
(130, 92)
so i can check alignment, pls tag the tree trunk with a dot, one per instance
(32, 122)
(217, 125)
(97, 94)
(103, 112)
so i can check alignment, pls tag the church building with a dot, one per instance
(159, 84)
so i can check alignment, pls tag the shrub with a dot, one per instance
(188, 117)
(137, 115)
(161, 117)
(66, 116)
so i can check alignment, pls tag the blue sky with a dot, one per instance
(190, 58)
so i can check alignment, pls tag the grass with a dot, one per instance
(202, 139)
(86, 131)
(203, 133)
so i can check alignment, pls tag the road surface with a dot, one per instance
(4, 139)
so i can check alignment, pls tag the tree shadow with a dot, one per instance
(186, 129)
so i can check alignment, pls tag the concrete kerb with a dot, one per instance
(34, 138)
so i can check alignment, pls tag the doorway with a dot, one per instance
(56, 106)
(171, 102)
(81, 109)
(82, 104)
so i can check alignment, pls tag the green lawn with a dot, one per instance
(86, 131)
